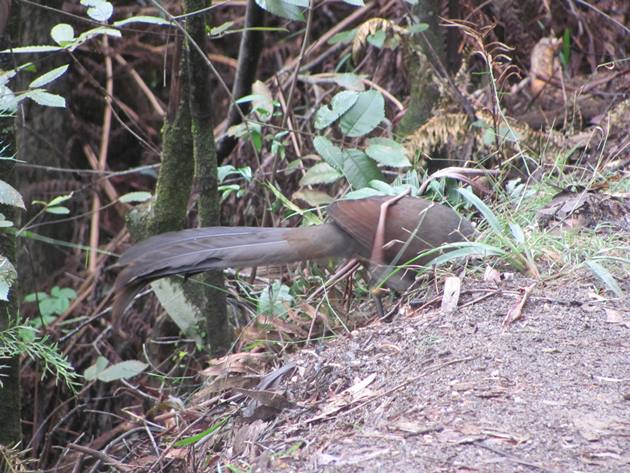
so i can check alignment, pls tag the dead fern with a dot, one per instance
(393, 35)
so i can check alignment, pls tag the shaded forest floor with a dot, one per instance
(461, 392)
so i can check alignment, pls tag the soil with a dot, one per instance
(460, 392)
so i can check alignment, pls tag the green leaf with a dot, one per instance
(362, 193)
(63, 292)
(418, 28)
(10, 196)
(32, 49)
(8, 275)
(59, 199)
(47, 99)
(377, 39)
(8, 100)
(349, 81)
(343, 37)
(273, 299)
(62, 34)
(387, 152)
(364, 115)
(263, 101)
(186, 316)
(359, 169)
(154, 20)
(219, 30)
(492, 219)
(58, 210)
(35, 296)
(329, 152)
(99, 10)
(298, 3)
(341, 103)
(313, 198)
(517, 232)
(282, 9)
(48, 77)
(201, 435)
(132, 197)
(320, 173)
(123, 370)
(101, 30)
(605, 277)
(94, 370)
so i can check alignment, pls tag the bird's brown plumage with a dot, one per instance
(412, 226)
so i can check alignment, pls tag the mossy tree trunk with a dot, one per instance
(189, 159)
(205, 158)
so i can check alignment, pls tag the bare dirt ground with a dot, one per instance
(461, 392)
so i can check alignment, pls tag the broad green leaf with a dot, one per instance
(383, 187)
(377, 39)
(364, 115)
(349, 81)
(340, 104)
(154, 20)
(99, 10)
(97, 368)
(8, 100)
(343, 37)
(47, 99)
(10, 196)
(320, 173)
(63, 292)
(387, 152)
(274, 299)
(329, 152)
(62, 34)
(35, 296)
(313, 197)
(298, 3)
(123, 370)
(48, 77)
(362, 193)
(8, 275)
(83, 37)
(282, 9)
(132, 197)
(359, 169)
(185, 315)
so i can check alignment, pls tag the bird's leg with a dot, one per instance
(377, 257)
(379, 236)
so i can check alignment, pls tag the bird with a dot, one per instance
(380, 230)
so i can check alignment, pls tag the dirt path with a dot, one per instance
(462, 393)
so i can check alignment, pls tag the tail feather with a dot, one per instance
(202, 249)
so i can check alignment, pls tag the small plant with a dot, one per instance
(51, 305)
(22, 339)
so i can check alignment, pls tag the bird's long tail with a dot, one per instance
(202, 249)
